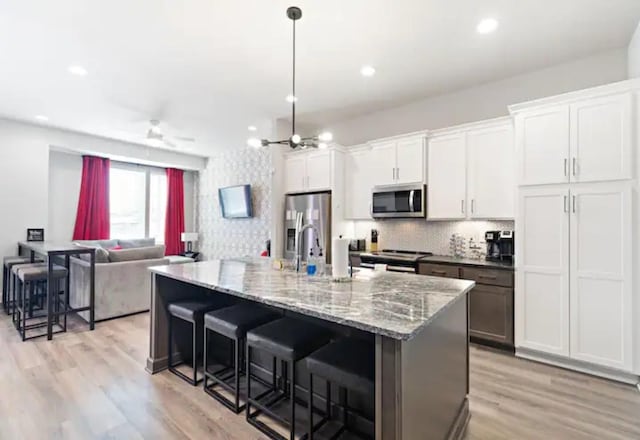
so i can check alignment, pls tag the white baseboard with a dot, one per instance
(582, 367)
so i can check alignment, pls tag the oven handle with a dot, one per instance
(402, 269)
(411, 193)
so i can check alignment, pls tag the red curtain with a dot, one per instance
(92, 219)
(174, 224)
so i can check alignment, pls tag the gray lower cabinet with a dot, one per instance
(490, 302)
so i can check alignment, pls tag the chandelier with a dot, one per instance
(295, 141)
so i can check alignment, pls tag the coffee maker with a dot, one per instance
(500, 245)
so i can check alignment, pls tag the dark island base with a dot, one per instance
(421, 384)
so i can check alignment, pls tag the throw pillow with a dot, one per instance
(102, 256)
(137, 243)
(144, 253)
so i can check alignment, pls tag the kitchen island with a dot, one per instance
(419, 324)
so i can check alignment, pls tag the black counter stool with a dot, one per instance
(7, 265)
(192, 312)
(32, 290)
(350, 364)
(289, 340)
(233, 323)
(13, 295)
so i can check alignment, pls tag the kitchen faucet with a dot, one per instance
(300, 228)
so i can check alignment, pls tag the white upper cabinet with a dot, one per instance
(601, 271)
(490, 172)
(410, 160)
(318, 170)
(542, 140)
(295, 168)
(359, 180)
(399, 161)
(471, 172)
(586, 136)
(383, 163)
(601, 139)
(306, 172)
(446, 177)
(542, 278)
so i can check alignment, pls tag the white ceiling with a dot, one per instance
(210, 68)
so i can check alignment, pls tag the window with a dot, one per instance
(138, 201)
(157, 204)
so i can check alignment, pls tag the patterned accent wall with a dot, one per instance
(420, 235)
(224, 238)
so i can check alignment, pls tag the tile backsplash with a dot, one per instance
(228, 238)
(420, 235)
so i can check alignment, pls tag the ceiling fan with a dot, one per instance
(157, 138)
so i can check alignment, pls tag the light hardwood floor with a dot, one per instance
(85, 385)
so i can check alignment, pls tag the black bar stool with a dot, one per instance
(289, 340)
(233, 323)
(32, 290)
(348, 363)
(192, 312)
(13, 295)
(7, 265)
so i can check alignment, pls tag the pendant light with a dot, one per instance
(295, 141)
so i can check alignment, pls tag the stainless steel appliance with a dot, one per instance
(315, 209)
(400, 201)
(500, 245)
(358, 245)
(396, 261)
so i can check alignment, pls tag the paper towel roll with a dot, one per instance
(340, 258)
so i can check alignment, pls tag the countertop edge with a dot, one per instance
(481, 264)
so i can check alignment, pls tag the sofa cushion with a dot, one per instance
(106, 244)
(102, 255)
(142, 253)
(137, 243)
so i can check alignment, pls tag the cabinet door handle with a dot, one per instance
(438, 272)
(394, 173)
(574, 166)
(488, 277)
(397, 173)
(566, 204)
(462, 206)
(574, 204)
(566, 167)
(473, 203)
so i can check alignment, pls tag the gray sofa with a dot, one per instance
(122, 278)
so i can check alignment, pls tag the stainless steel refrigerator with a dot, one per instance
(316, 210)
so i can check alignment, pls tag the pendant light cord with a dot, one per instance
(293, 103)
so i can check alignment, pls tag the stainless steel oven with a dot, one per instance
(400, 201)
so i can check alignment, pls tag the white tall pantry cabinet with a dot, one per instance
(577, 302)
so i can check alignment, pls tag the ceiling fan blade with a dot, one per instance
(169, 144)
(183, 138)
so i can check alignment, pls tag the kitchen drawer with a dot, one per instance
(438, 270)
(491, 313)
(491, 277)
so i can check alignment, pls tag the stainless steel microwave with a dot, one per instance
(400, 201)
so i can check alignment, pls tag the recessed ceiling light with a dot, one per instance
(487, 25)
(77, 70)
(252, 128)
(42, 118)
(291, 98)
(367, 71)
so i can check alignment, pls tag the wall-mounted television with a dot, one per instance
(235, 201)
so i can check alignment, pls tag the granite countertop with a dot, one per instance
(443, 259)
(390, 304)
